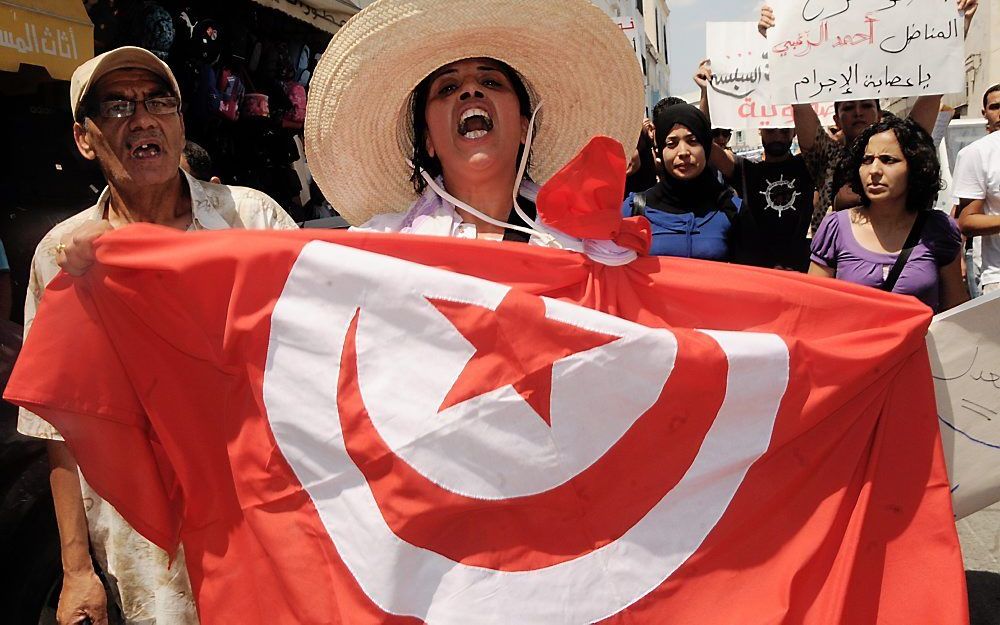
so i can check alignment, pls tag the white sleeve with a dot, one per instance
(970, 176)
(43, 269)
(276, 216)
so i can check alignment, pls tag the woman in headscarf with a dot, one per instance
(692, 213)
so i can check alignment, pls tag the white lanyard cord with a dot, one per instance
(533, 228)
(522, 166)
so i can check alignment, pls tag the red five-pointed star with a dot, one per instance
(515, 345)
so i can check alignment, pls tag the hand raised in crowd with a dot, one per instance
(82, 597)
(970, 7)
(766, 20)
(75, 253)
(647, 125)
(704, 74)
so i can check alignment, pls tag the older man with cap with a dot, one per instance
(127, 111)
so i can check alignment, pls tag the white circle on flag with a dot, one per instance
(495, 446)
(326, 287)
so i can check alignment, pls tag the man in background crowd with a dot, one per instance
(196, 161)
(991, 108)
(777, 195)
(977, 195)
(127, 111)
(721, 138)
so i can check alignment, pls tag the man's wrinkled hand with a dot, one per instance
(82, 597)
(75, 252)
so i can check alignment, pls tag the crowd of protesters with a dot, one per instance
(709, 203)
(856, 205)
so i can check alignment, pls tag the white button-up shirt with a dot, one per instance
(150, 589)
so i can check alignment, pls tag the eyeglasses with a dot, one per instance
(165, 105)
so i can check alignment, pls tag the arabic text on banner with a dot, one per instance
(834, 50)
(59, 45)
(740, 92)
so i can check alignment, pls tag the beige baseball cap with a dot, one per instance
(126, 57)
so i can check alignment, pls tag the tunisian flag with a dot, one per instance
(349, 428)
(369, 428)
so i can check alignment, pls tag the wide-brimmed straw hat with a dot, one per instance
(570, 55)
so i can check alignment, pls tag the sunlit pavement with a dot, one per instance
(980, 536)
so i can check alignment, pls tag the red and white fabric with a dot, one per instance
(371, 428)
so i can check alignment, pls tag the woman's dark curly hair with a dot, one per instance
(923, 180)
(424, 161)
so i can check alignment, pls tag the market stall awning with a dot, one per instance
(54, 34)
(328, 15)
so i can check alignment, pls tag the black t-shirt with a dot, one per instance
(777, 207)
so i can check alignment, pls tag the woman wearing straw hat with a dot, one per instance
(422, 115)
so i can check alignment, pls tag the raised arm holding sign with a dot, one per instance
(860, 108)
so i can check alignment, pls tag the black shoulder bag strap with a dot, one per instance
(639, 204)
(904, 254)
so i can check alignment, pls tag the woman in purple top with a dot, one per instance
(893, 166)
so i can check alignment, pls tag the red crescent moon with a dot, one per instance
(592, 509)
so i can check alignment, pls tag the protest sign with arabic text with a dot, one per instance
(739, 93)
(835, 50)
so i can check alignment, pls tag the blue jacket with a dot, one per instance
(707, 236)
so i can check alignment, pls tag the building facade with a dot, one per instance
(982, 60)
(646, 24)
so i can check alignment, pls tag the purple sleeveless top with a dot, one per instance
(835, 247)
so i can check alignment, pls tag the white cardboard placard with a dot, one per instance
(834, 50)
(964, 348)
(739, 94)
